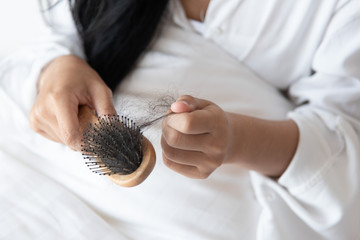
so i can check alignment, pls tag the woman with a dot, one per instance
(62, 124)
(308, 161)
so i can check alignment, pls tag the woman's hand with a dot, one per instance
(65, 84)
(200, 136)
(195, 140)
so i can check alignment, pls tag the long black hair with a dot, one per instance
(115, 33)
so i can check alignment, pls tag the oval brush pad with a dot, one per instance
(114, 146)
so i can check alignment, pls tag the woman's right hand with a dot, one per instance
(65, 84)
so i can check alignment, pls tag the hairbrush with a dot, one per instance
(115, 146)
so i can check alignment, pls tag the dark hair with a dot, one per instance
(116, 32)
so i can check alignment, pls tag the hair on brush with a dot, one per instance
(112, 146)
(115, 146)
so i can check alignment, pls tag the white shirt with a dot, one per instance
(281, 42)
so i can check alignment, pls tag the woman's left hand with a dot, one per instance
(196, 139)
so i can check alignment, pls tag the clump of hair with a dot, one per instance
(113, 145)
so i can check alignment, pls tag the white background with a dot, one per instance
(20, 23)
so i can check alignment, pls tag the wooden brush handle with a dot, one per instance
(143, 171)
(87, 116)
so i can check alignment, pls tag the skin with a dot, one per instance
(195, 10)
(64, 85)
(200, 137)
(195, 141)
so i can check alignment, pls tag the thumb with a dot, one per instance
(103, 102)
(188, 103)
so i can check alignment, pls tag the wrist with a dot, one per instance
(262, 145)
(49, 67)
(39, 83)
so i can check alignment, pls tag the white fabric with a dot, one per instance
(198, 26)
(283, 41)
(47, 191)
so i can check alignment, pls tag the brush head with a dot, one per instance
(112, 145)
(115, 146)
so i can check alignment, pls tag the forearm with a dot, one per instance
(262, 145)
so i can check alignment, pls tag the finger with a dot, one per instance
(47, 127)
(68, 122)
(187, 171)
(102, 100)
(192, 142)
(51, 136)
(196, 122)
(45, 130)
(188, 103)
(185, 157)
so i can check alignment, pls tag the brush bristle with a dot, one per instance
(113, 145)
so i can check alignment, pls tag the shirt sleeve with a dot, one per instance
(323, 177)
(20, 70)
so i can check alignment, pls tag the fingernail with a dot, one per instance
(178, 106)
(185, 102)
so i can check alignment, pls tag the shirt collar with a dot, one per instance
(178, 16)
